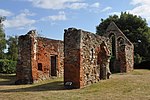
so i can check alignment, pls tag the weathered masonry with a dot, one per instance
(83, 58)
(39, 58)
(122, 50)
(85, 62)
(82, 61)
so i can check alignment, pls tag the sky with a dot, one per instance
(51, 17)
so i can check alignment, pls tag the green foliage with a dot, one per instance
(101, 28)
(7, 66)
(137, 59)
(2, 38)
(12, 43)
(134, 27)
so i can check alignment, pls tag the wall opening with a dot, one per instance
(113, 40)
(53, 61)
(40, 66)
(120, 41)
(92, 54)
(113, 52)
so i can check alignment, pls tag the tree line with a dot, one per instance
(8, 50)
(134, 27)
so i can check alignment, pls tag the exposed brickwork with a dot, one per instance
(82, 65)
(87, 61)
(48, 48)
(72, 59)
(84, 57)
(37, 56)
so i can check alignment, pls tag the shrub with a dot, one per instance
(7, 66)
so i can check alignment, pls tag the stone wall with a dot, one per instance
(25, 56)
(72, 61)
(85, 62)
(83, 58)
(129, 58)
(39, 58)
(124, 50)
(82, 65)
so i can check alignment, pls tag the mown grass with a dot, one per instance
(130, 86)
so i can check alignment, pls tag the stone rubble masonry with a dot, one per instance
(35, 58)
(79, 58)
(81, 65)
(124, 61)
(24, 68)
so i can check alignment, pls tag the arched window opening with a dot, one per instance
(120, 41)
(113, 43)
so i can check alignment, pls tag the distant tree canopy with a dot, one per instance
(2, 38)
(12, 53)
(8, 60)
(135, 28)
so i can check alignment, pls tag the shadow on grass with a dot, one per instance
(7, 79)
(57, 85)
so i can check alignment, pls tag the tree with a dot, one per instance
(2, 38)
(12, 43)
(134, 27)
(101, 28)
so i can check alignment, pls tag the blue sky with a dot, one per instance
(51, 17)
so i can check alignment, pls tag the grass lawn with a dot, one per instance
(127, 86)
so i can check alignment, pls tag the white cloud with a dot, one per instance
(27, 12)
(5, 12)
(106, 9)
(142, 8)
(59, 17)
(62, 4)
(136, 2)
(54, 4)
(78, 5)
(20, 21)
(95, 5)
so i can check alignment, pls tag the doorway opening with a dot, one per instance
(53, 60)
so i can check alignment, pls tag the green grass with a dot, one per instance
(130, 86)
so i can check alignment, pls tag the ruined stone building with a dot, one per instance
(39, 58)
(83, 48)
(122, 50)
(83, 58)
